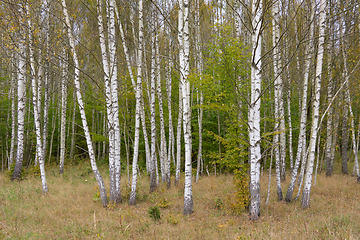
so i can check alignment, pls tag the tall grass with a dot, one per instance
(72, 211)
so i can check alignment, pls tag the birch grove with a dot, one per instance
(193, 90)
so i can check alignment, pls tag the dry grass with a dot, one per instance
(69, 211)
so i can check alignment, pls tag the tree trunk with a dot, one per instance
(344, 135)
(97, 174)
(305, 200)
(303, 115)
(39, 142)
(184, 37)
(165, 174)
(152, 118)
(21, 94)
(63, 111)
(254, 110)
(13, 116)
(132, 200)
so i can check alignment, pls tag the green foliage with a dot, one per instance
(239, 200)
(154, 213)
(32, 171)
(223, 84)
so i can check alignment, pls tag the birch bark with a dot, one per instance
(64, 67)
(39, 142)
(21, 95)
(254, 110)
(132, 200)
(97, 174)
(303, 115)
(305, 199)
(184, 71)
(152, 118)
(108, 96)
(277, 97)
(114, 96)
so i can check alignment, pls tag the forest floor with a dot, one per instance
(72, 210)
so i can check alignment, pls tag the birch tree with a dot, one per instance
(21, 95)
(95, 170)
(184, 46)
(39, 141)
(64, 67)
(152, 115)
(199, 65)
(278, 100)
(305, 199)
(132, 200)
(303, 114)
(254, 109)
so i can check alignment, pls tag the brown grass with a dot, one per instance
(69, 211)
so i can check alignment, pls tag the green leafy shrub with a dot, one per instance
(154, 213)
(239, 200)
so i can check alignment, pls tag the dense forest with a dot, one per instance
(181, 90)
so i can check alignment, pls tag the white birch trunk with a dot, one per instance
(142, 107)
(21, 94)
(305, 200)
(277, 97)
(184, 71)
(165, 173)
(199, 63)
(254, 110)
(13, 115)
(114, 97)
(178, 138)
(152, 119)
(303, 115)
(132, 200)
(171, 145)
(97, 174)
(108, 96)
(39, 142)
(64, 67)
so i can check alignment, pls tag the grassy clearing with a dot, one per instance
(72, 211)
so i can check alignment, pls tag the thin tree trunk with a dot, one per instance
(184, 36)
(352, 122)
(152, 118)
(39, 142)
(269, 184)
(344, 135)
(21, 94)
(97, 174)
(142, 107)
(254, 110)
(72, 144)
(53, 133)
(114, 96)
(305, 199)
(165, 175)
(303, 115)
(132, 200)
(63, 111)
(178, 138)
(13, 118)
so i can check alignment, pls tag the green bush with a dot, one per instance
(154, 213)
